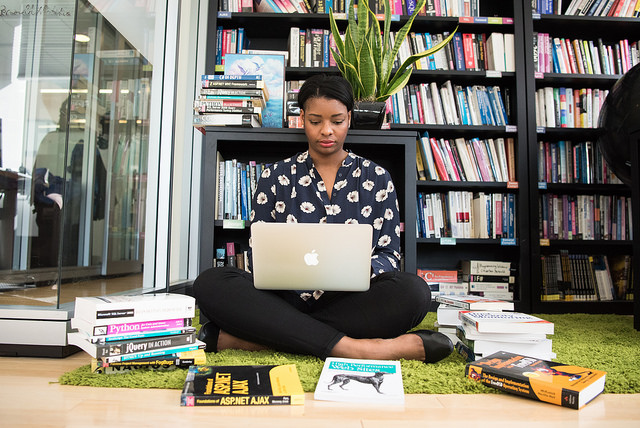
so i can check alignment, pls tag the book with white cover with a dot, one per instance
(360, 381)
(506, 322)
(108, 310)
(472, 302)
(448, 315)
(471, 333)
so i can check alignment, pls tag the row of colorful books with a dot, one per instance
(569, 107)
(231, 254)
(236, 184)
(586, 277)
(311, 47)
(441, 159)
(123, 333)
(462, 214)
(448, 104)
(568, 162)
(398, 7)
(467, 51)
(619, 8)
(585, 217)
(579, 56)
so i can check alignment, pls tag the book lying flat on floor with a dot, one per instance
(506, 322)
(257, 385)
(362, 381)
(543, 380)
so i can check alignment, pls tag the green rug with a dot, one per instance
(604, 342)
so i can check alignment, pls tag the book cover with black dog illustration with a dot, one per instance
(257, 385)
(364, 381)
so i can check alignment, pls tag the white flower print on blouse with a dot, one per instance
(353, 196)
(333, 209)
(366, 211)
(304, 181)
(307, 207)
(397, 230)
(388, 214)
(377, 223)
(261, 198)
(366, 163)
(340, 184)
(266, 173)
(293, 169)
(321, 186)
(380, 170)
(302, 157)
(368, 185)
(356, 173)
(390, 187)
(351, 221)
(384, 240)
(291, 219)
(293, 193)
(381, 195)
(273, 189)
(280, 206)
(283, 180)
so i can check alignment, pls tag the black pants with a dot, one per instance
(281, 320)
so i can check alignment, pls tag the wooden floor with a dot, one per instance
(30, 396)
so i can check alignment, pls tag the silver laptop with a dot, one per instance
(311, 256)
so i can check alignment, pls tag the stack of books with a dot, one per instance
(483, 333)
(123, 333)
(493, 279)
(443, 282)
(231, 100)
(450, 307)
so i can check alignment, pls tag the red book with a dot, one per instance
(469, 58)
(437, 157)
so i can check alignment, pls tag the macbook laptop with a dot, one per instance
(311, 256)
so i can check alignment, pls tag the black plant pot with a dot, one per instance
(368, 115)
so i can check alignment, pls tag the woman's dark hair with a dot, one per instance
(325, 86)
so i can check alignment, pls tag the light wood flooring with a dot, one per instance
(48, 295)
(31, 397)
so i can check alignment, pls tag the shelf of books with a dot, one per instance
(582, 233)
(467, 103)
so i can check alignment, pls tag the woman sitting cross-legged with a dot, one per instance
(325, 184)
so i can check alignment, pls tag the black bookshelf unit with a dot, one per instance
(610, 30)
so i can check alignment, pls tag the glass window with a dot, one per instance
(75, 96)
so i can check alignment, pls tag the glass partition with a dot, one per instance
(75, 91)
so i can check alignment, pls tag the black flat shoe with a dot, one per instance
(436, 345)
(209, 335)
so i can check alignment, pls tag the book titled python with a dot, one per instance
(252, 385)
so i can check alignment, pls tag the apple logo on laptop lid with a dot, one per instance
(311, 259)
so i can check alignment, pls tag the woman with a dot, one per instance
(325, 184)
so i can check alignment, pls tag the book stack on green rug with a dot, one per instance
(602, 342)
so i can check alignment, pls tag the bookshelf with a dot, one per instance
(395, 148)
(544, 188)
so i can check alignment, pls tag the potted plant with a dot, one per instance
(366, 56)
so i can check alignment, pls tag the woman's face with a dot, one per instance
(326, 123)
